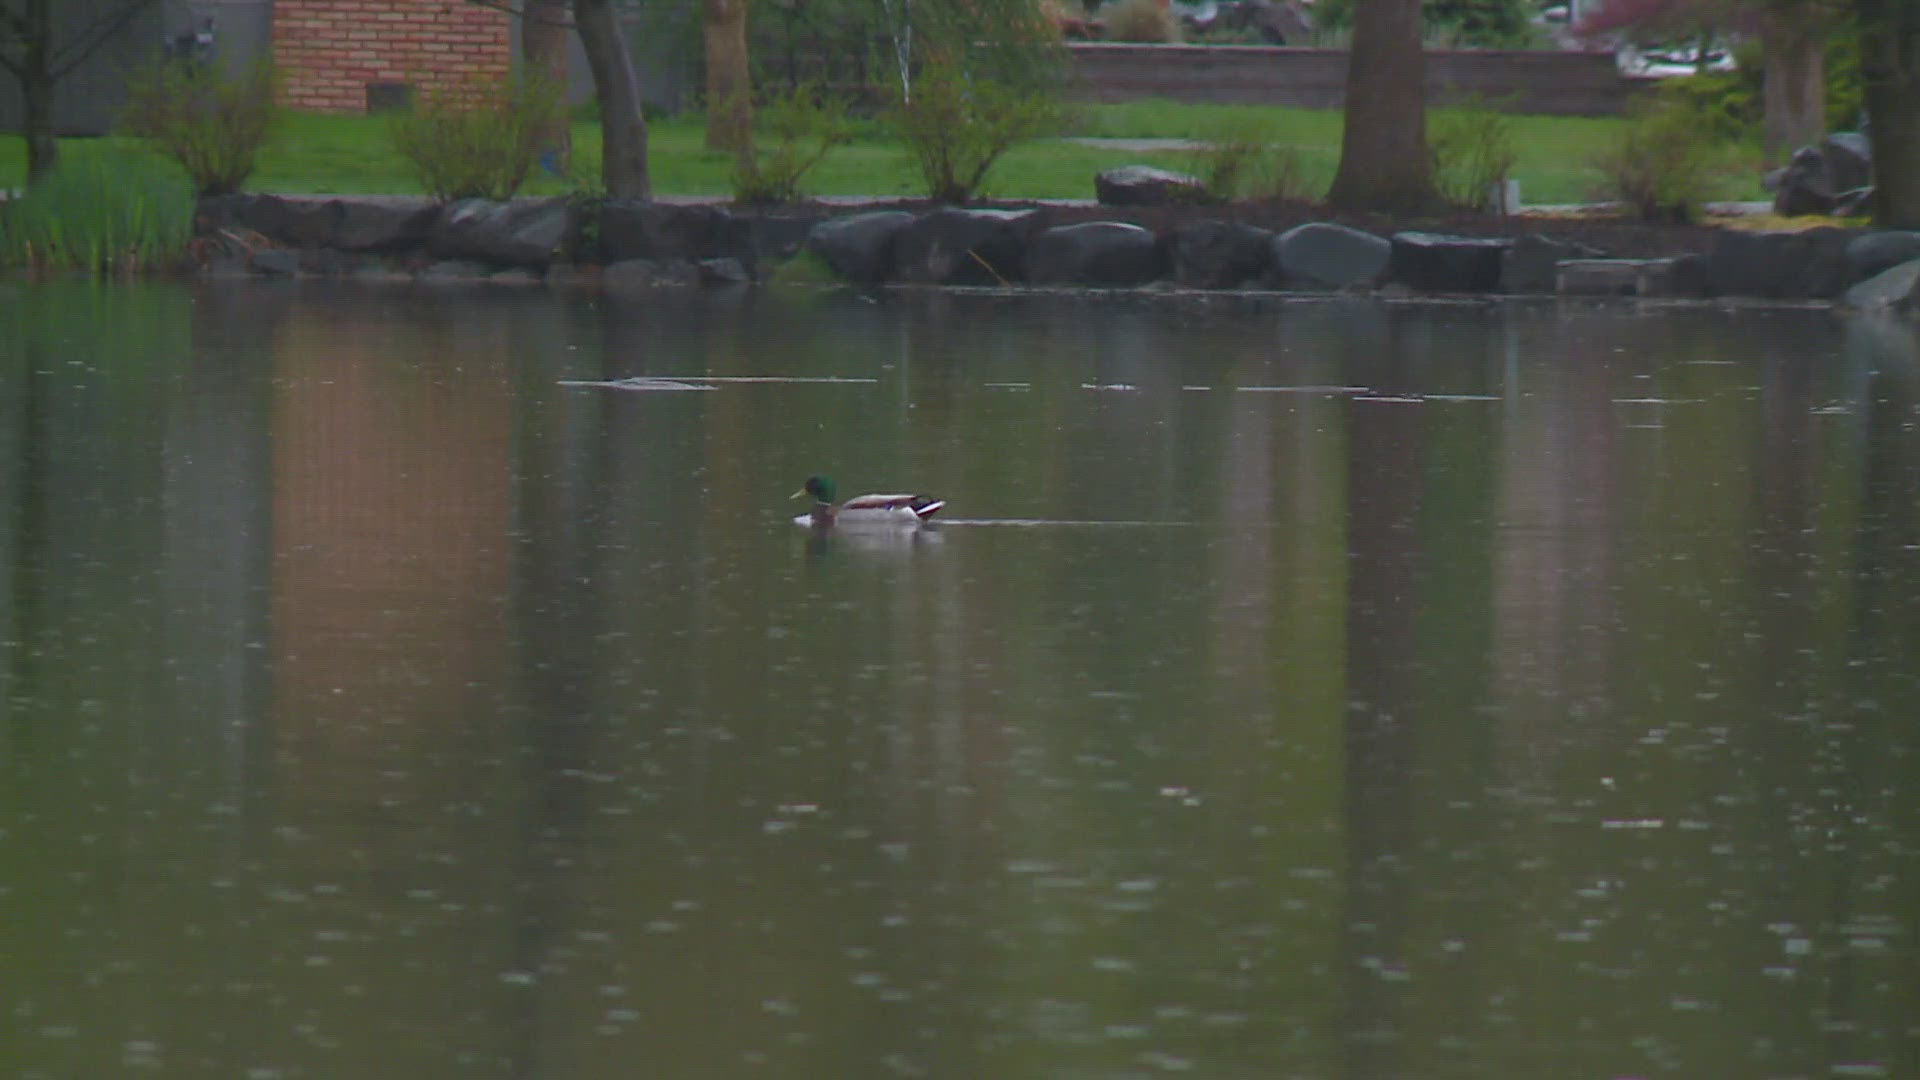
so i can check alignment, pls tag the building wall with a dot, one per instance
(242, 29)
(88, 99)
(329, 51)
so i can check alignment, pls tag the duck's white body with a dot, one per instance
(873, 510)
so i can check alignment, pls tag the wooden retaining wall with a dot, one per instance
(1530, 81)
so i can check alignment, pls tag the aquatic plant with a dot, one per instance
(113, 211)
(1473, 153)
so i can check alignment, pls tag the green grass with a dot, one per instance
(351, 154)
(110, 207)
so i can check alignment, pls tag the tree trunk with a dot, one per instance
(623, 128)
(1890, 68)
(729, 81)
(1384, 164)
(543, 52)
(36, 89)
(36, 115)
(1794, 87)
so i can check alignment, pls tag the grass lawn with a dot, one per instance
(350, 154)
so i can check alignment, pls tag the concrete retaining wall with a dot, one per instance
(1530, 81)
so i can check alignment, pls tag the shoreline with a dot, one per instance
(1241, 248)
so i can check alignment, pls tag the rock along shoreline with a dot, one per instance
(625, 245)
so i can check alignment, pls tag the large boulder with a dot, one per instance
(1628, 277)
(1811, 264)
(383, 225)
(1870, 253)
(1897, 289)
(636, 229)
(776, 236)
(1219, 254)
(1433, 262)
(1803, 185)
(303, 223)
(955, 246)
(631, 274)
(528, 232)
(1094, 253)
(274, 262)
(1530, 264)
(859, 247)
(1144, 185)
(1817, 178)
(1855, 203)
(1849, 158)
(448, 271)
(1323, 255)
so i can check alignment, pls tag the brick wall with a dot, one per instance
(327, 51)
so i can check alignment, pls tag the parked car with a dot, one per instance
(1277, 22)
(1665, 61)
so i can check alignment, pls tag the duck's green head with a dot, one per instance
(820, 487)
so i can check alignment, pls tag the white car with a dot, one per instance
(1668, 61)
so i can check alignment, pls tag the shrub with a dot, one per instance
(1241, 161)
(1473, 152)
(212, 124)
(1731, 104)
(1661, 165)
(479, 139)
(99, 212)
(1726, 103)
(803, 126)
(1140, 20)
(1485, 24)
(955, 127)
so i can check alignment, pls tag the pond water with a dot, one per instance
(1300, 689)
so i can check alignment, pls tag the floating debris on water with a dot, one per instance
(1304, 389)
(705, 382)
(634, 385)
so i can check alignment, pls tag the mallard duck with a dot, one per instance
(864, 509)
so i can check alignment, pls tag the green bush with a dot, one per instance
(99, 212)
(1731, 103)
(477, 140)
(1663, 165)
(802, 125)
(955, 127)
(1473, 152)
(1483, 24)
(213, 125)
(1241, 161)
(1725, 103)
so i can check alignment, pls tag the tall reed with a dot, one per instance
(99, 212)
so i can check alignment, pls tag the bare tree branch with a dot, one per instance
(95, 34)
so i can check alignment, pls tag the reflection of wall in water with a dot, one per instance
(391, 505)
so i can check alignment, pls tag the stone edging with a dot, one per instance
(627, 244)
